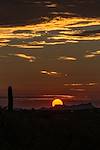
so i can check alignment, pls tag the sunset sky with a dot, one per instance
(50, 47)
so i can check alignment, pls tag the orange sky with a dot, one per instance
(54, 51)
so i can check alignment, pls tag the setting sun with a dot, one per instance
(57, 102)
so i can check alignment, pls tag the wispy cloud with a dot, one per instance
(27, 46)
(92, 54)
(51, 73)
(4, 42)
(61, 13)
(54, 31)
(51, 5)
(54, 74)
(24, 56)
(80, 84)
(60, 96)
(78, 89)
(67, 58)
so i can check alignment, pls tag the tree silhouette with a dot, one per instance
(10, 99)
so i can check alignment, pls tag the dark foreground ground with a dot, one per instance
(50, 130)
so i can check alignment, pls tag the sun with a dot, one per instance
(57, 102)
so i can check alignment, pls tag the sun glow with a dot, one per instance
(57, 102)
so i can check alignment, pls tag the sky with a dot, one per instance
(50, 48)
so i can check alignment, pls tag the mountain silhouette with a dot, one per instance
(86, 106)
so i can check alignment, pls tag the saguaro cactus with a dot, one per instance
(10, 99)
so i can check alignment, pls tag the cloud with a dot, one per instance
(66, 58)
(56, 31)
(27, 46)
(79, 87)
(92, 54)
(51, 73)
(89, 56)
(51, 5)
(61, 13)
(73, 84)
(76, 38)
(4, 42)
(79, 90)
(30, 9)
(80, 84)
(24, 56)
(92, 84)
(60, 96)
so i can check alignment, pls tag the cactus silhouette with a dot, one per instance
(10, 99)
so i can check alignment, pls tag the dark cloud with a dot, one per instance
(88, 33)
(22, 12)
